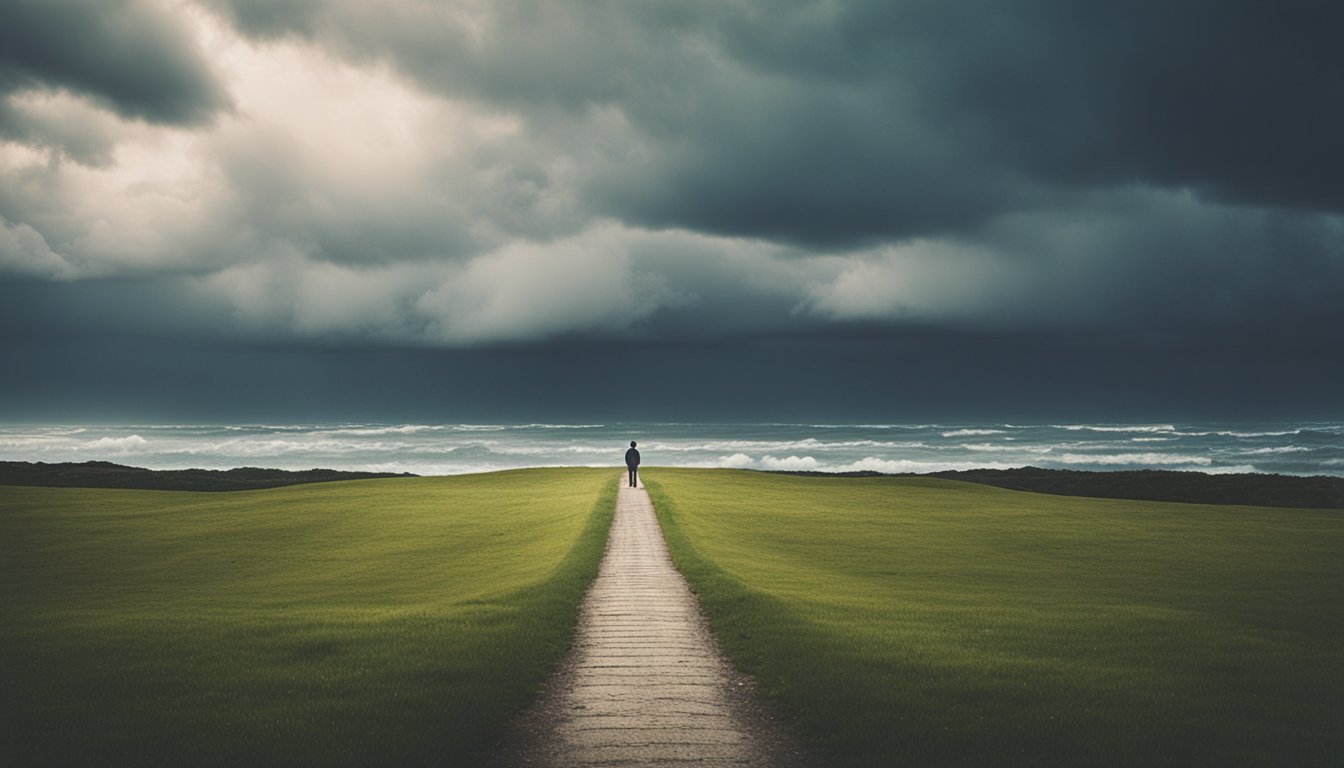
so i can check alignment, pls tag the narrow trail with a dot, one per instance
(645, 683)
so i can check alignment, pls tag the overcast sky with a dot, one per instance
(754, 209)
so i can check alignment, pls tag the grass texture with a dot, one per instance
(373, 622)
(915, 621)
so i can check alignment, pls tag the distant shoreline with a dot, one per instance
(1252, 489)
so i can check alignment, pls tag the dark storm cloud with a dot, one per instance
(1228, 98)
(1133, 260)
(845, 123)
(129, 55)
(677, 124)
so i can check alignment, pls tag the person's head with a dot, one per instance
(632, 443)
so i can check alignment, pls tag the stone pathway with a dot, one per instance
(646, 684)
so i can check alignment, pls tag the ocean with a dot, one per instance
(446, 449)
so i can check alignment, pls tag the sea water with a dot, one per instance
(442, 449)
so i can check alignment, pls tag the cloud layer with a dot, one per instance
(472, 173)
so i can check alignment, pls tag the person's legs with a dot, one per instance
(633, 471)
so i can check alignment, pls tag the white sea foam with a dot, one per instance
(321, 446)
(906, 466)
(1146, 459)
(857, 426)
(806, 463)
(1277, 449)
(736, 461)
(1117, 427)
(545, 449)
(1235, 433)
(972, 432)
(405, 429)
(33, 442)
(126, 443)
(1009, 448)
(773, 446)
(774, 463)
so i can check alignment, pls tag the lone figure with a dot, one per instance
(632, 463)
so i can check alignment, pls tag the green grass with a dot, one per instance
(931, 622)
(373, 622)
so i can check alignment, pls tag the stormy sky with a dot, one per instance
(732, 209)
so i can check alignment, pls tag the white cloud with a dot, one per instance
(923, 280)
(63, 123)
(524, 291)
(337, 160)
(295, 296)
(527, 291)
(23, 251)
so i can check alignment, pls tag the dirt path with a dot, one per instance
(646, 684)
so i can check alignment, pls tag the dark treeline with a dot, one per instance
(103, 474)
(1261, 490)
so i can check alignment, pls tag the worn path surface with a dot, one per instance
(646, 684)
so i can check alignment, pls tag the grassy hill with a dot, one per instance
(925, 621)
(903, 620)
(375, 622)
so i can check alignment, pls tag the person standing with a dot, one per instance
(632, 463)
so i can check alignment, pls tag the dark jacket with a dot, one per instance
(632, 458)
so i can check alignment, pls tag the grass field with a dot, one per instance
(376, 622)
(931, 622)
